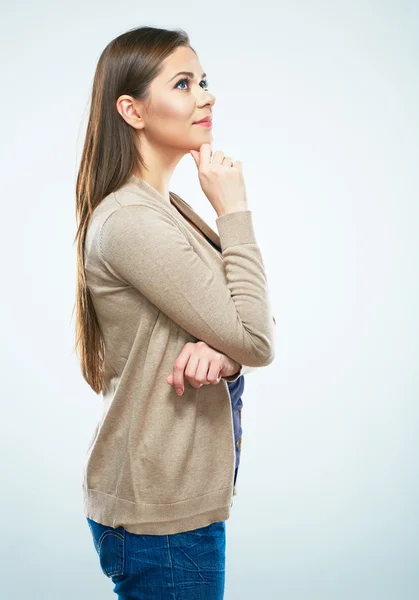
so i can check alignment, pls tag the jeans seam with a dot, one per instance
(171, 567)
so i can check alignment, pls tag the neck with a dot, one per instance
(161, 162)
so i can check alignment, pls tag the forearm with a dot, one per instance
(243, 368)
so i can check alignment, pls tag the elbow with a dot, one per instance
(265, 351)
(260, 358)
(268, 357)
(257, 350)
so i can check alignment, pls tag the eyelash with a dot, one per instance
(189, 80)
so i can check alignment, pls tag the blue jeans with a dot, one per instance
(179, 566)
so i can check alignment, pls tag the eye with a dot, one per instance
(187, 79)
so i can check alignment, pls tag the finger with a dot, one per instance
(205, 152)
(179, 368)
(190, 370)
(214, 372)
(195, 156)
(227, 161)
(202, 371)
(217, 157)
(178, 381)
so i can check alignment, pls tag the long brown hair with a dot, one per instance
(110, 154)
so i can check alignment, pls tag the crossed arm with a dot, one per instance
(207, 356)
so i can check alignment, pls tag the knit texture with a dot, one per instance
(159, 463)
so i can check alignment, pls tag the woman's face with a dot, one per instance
(175, 102)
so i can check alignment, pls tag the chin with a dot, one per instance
(204, 133)
(197, 141)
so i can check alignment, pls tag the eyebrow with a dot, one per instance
(188, 73)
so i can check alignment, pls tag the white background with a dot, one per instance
(320, 102)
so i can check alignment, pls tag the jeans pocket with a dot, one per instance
(109, 544)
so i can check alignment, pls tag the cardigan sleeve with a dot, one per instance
(244, 369)
(145, 247)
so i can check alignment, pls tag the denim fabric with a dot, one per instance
(181, 566)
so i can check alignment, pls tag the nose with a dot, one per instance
(207, 98)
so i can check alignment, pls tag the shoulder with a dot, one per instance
(136, 212)
(138, 223)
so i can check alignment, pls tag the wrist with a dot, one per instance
(232, 370)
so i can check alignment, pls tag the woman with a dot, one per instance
(163, 303)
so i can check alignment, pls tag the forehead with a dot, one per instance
(181, 59)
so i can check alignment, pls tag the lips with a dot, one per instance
(204, 120)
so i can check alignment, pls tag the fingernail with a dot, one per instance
(179, 392)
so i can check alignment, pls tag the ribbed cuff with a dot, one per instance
(236, 228)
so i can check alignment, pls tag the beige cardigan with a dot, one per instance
(159, 463)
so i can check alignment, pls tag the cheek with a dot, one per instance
(171, 123)
(174, 114)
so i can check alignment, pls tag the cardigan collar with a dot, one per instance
(183, 207)
(187, 210)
